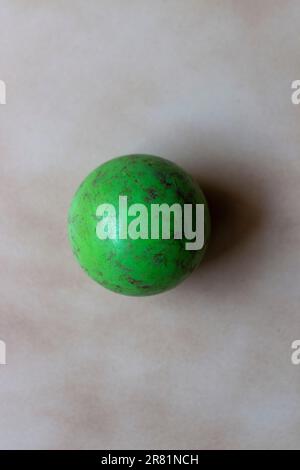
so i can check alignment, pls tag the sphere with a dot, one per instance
(111, 220)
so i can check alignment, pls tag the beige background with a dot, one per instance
(206, 84)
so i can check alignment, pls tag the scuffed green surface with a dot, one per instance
(133, 267)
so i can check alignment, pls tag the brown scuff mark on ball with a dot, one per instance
(86, 195)
(163, 179)
(151, 194)
(180, 194)
(76, 251)
(110, 256)
(122, 266)
(159, 258)
(137, 283)
(126, 191)
(99, 175)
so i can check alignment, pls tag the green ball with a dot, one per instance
(142, 265)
